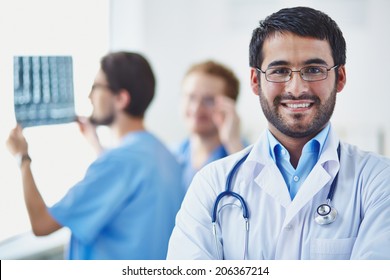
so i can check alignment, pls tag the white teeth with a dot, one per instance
(295, 106)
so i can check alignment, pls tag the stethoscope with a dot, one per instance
(324, 215)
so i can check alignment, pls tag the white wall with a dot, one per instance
(60, 155)
(176, 33)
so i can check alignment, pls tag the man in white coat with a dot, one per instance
(298, 192)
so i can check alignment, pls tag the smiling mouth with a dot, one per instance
(297, 105)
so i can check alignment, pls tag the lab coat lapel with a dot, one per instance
(318, 178)
(265, 172)
(271, 181)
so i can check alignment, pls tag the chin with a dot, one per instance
(205, 132)
(102, 121)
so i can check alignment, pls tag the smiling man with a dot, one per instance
(298, 192)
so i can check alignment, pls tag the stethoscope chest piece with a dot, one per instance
(325, 214)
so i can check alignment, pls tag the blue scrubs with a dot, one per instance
(125, 206)
(183, 154)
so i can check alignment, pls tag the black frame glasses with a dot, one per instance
(282, 74)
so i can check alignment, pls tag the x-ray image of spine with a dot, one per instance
(43, 90)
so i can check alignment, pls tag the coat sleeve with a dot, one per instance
(373, 239)
(192, 237)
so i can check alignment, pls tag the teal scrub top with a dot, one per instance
(183, 155)
(125, 206)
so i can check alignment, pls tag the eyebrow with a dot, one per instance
(277, 63)
(316, 61)
(306, 62)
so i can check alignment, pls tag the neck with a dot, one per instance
(125, 124)
(202, 147)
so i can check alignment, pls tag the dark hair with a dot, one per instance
(302, 21)
(221, 71)
(132, 72)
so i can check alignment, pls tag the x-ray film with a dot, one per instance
(43, 90)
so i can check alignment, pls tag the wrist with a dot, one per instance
(21, 158)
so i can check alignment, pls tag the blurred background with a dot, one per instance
(172, 34)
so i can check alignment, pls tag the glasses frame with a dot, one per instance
(298, 71)
(96, 86)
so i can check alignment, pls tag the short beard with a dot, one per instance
(108, 120)
(321, 118)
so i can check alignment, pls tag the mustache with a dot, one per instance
(305, 96)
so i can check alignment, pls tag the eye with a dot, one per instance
(190, 98)
(94, 87)
(313, 70)
(278, 71)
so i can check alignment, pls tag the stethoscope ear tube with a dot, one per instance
(228, 192)
(245, 212)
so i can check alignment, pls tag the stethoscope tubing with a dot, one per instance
(321, 219)
(228, 189)
(228, 192)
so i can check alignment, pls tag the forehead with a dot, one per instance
(100, 77)
(295, 50)
(202, 83)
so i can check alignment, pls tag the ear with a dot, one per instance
(255, 81)
(342, 78)
(123, 99)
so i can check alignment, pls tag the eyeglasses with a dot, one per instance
(206, 101)
(96, 86)
(283, 74)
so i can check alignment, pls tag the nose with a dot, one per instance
(296, 86)
(90, 94)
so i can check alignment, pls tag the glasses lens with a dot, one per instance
(314, 73)
(278, 74)
(205, 101)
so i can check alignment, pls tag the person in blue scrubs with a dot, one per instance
(125, 206)
(209, 94)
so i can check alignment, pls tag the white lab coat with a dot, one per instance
(285, 229)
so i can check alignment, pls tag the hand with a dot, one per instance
(16, 143)
(88, 130)
(227, 121)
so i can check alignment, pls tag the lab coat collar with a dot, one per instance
(261, 168)
(320, 177)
